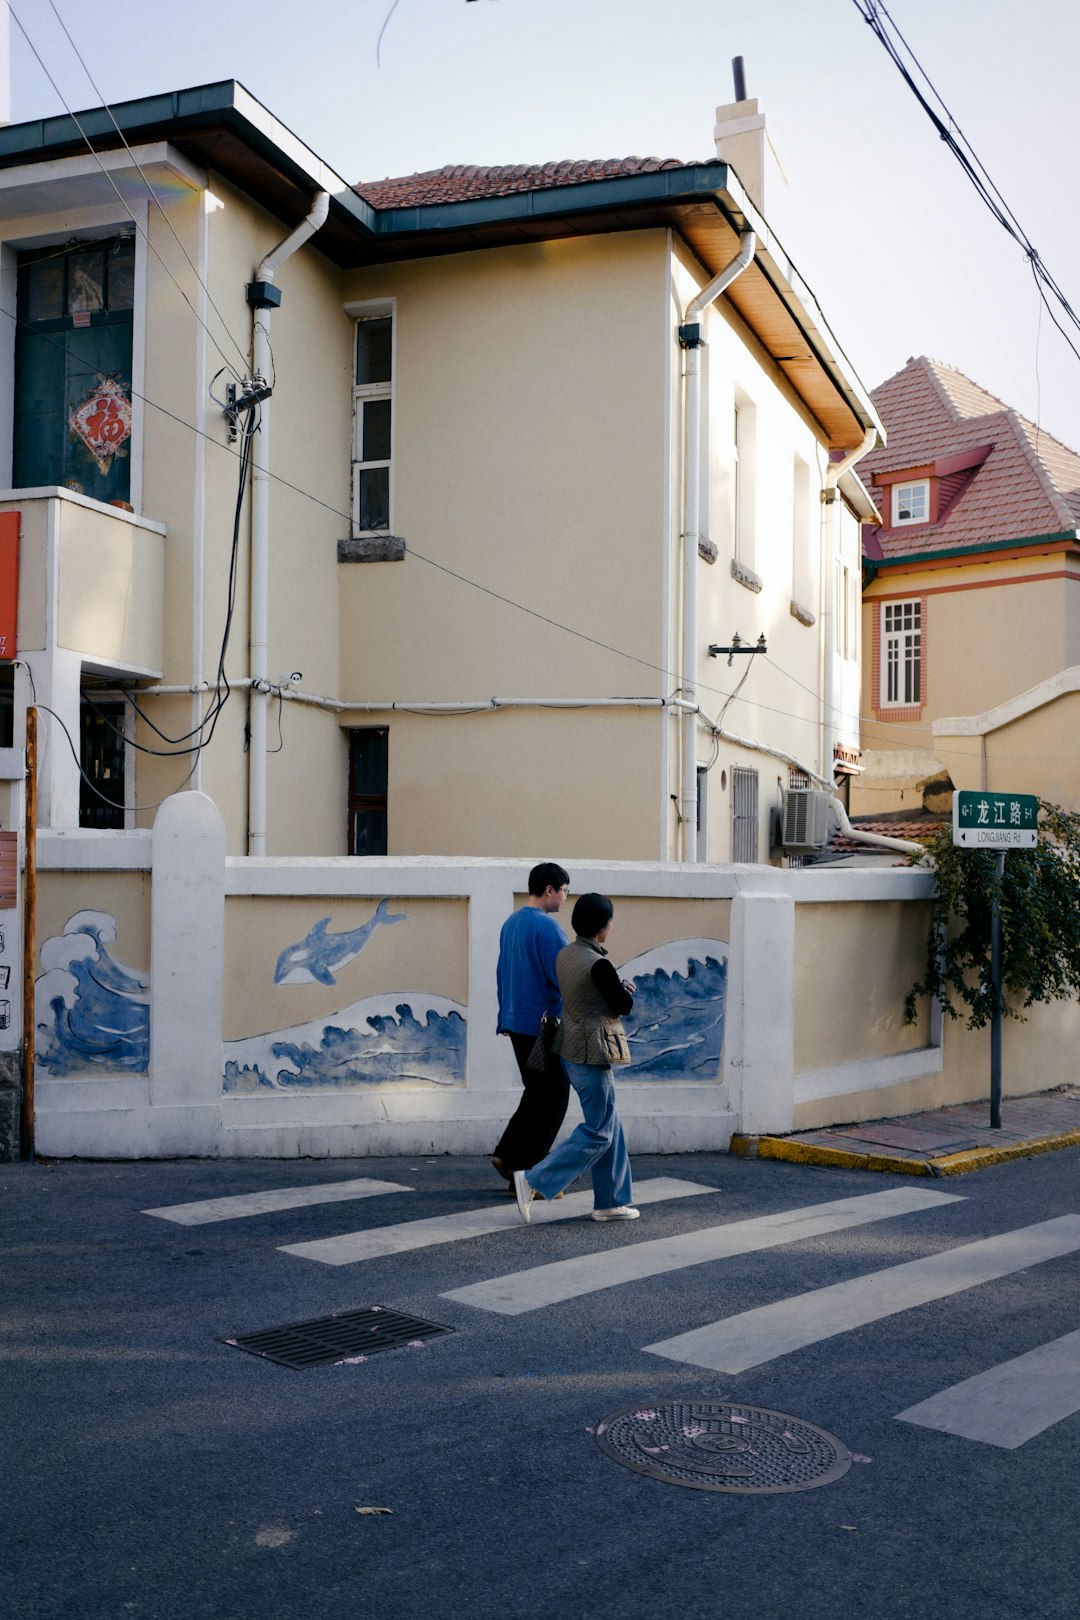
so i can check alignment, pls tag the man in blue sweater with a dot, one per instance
(529, 942)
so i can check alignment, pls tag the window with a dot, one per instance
(744, 815)
(901, 654)
(800, 534)
(373, 423)
(102, 761)
(846, 612)
(743, 477)
(73, 349)
(368, 772)
(911, 502)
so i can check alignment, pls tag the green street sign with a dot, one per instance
(992, 820)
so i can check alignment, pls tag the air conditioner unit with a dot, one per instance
(806, 818)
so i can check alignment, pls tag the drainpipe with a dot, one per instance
(830, 550)
(691, 337)
(264, 296)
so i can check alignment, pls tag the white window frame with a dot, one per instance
(365, 393)
(902, 654)
(743, 479)
(914, 494)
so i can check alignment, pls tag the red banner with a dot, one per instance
(9, 584)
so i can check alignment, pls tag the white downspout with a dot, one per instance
(830, 550)
(692, 340)
(261, 295)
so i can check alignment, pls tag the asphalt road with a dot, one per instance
(157, 1472)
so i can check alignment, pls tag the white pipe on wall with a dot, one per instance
(691, 460)
(259, 619)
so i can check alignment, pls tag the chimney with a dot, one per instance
(741, 140)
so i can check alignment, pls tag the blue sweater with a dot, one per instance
(530, 941)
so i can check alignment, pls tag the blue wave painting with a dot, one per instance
(676, 1030)
(91, 1012)
(408, 1037)
(313, 960)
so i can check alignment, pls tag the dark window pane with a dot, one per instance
(102, 758)
(373, 350)
(369, 751)
(375, 498)
(86, 281)
(121, 285)
(44, 284)
(369, 832)
(376, 445)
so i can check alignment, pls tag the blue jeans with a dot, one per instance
(597, 1144)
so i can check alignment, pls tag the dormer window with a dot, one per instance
(911, 503)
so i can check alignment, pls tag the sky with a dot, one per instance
(900, 252)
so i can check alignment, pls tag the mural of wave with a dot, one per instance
(676, 1030)
(91, 1012)
(408, 1036)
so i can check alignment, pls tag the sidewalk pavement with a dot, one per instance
(935, 1142)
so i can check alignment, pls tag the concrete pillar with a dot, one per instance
(760, 1036)
(187, 964)
(56, 685)
(490, 1061)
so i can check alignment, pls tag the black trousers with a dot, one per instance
(535, 1123)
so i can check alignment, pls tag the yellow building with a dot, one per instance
(971, 601)
(420, 518)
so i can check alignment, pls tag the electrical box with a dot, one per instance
(806, 818)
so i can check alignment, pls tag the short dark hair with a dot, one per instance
(590, 914)
(549, 874)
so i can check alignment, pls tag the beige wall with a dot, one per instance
(427, 952)
(123, 895)
(854, 964)
(984, 646)
(529, 458)
(529, 783)
(111, 588)
(1036, 1056)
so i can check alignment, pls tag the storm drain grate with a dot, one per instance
(720, 1447)
(345, 1336)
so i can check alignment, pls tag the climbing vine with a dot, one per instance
(1040, 923)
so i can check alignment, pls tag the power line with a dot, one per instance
(872, 12)
(124, 203)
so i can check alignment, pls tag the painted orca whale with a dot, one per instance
(313, 960)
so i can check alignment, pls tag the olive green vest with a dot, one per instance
(590, 1032)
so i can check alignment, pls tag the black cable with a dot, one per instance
(872, 12)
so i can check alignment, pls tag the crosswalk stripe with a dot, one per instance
(753, 1337)
(352, 1247)
(522, 1291)
(207, 1210)
(1010, 1403)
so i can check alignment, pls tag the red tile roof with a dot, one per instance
(461, 182)
(1028, 484)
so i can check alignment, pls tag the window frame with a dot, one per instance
(364, 394)
(898, 489)
(366, 803)
(904, 663)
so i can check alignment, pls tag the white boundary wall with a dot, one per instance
(179, 1109)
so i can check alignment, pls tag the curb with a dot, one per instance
(946, 1164)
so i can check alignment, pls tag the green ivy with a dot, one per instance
(1040, 923)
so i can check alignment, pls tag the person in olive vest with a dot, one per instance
(590, 1042)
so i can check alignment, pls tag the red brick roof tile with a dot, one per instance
(461, 182)
(1028, 485)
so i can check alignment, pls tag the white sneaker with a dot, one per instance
(621, 1212)
(524, 1195)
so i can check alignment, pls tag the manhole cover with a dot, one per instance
(745, 1449)
(349, 1334)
